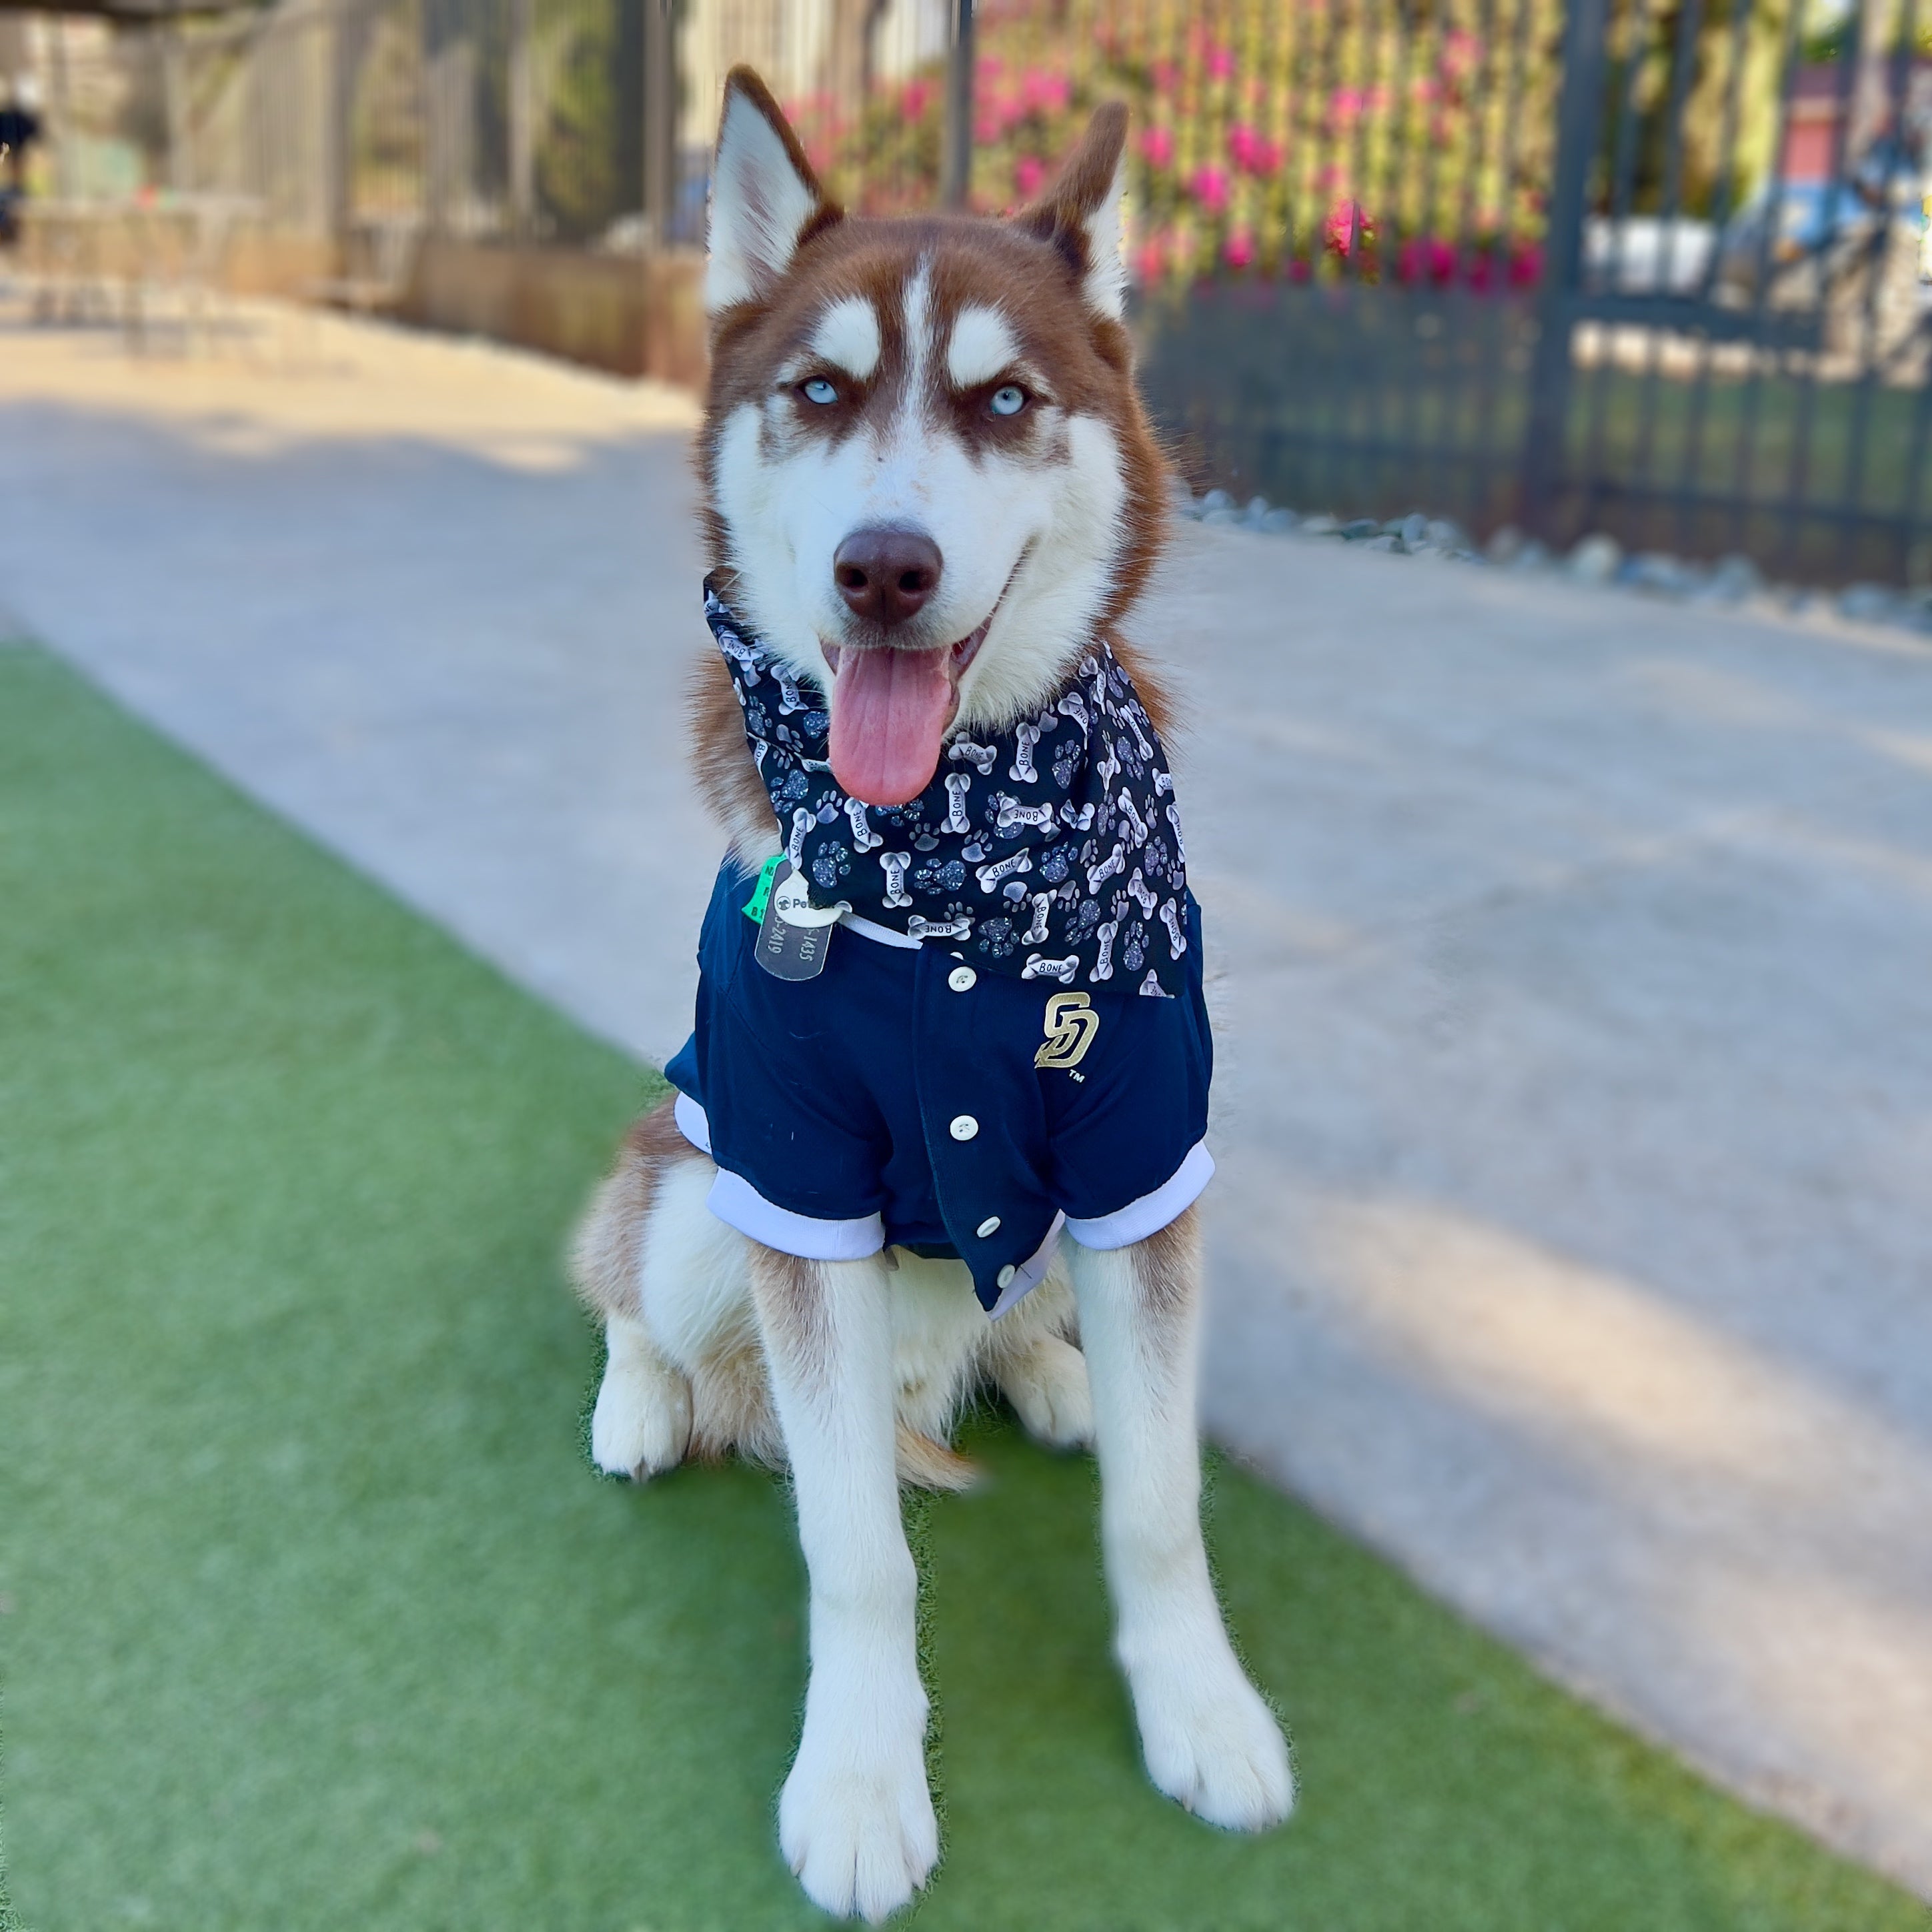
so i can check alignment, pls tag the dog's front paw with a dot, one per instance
(856, 1824)
(642, 1423)
(1047, 1386)
(1210, 1742)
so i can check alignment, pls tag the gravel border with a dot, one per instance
(1597, 560)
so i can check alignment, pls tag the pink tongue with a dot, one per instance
(889, 709)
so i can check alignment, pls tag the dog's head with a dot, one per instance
(928, 481)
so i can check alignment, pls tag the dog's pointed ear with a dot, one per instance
(1081, 215)
(765, 199)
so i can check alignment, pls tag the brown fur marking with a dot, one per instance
(790, 1296)
(721, 761)
(1167, 1268)
(609, 1241)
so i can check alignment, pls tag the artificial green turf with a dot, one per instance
(316, 1616)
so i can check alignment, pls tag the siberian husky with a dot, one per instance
(960, 389)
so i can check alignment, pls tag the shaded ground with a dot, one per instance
(1575, 1111)
(315, 1615)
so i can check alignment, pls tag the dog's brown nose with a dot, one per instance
(885, 573)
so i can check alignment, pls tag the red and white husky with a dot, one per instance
(960, 390)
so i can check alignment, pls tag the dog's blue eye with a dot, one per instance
(819, 390)
(1009, 399)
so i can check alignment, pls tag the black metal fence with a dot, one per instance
(1694, 315)
(1652, 267)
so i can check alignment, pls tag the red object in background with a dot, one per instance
(1811, 124)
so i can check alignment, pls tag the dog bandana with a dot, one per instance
(1050, 851)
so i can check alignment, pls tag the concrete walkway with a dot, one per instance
(1576, 1105)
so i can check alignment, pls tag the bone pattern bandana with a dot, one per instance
(1052, 851)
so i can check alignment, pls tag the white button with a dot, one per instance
(990, 1225)
(1006, 1275)
(965, 1126)
(962, 978)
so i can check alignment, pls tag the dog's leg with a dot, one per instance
(855, 1821)
(1046, 1383)
(641, 1425)
(1039, 1372)
(1209, 1740)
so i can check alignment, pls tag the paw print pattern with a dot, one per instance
(829, 864)
(939, 875)
(997, 936)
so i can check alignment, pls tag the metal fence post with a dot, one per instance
(956, 174)
(1578, 116)
(660, 119)
(523, 123)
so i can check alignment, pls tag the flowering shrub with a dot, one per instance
(1315, 140)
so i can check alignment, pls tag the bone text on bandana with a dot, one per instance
(1051, 850)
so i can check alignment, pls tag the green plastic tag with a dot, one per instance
(754, 906)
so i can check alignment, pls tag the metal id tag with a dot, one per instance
(794, 936)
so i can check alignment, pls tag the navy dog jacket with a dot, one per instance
(1008, 1035)
(904, 1098)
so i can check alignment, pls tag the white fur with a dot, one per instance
(856, 1820)
(1209, 1740)
(1105, 285)
(848, 336)
(694, 1292)
(642, 1422)
(982, 346)
(918, 334)
(1045, 532)
(759, 204)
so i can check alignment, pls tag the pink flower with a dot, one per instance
(985, 130)
(1344, 104)
(1028, 173)
(1209, 186)
(1151, 259)
(1157, 144)
(915, 98)
(1239, 249)
(1166, 76)
(1043, 92)
(1525, 265)
(1427, 259)
(1298, 271)
(1252, 151)
(1348, 226)
(1221, 63)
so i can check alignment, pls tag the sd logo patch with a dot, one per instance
(1071, 1025)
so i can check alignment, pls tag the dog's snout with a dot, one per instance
(885, 574)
